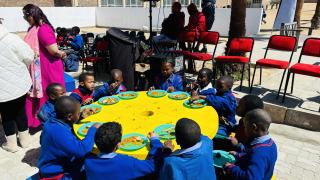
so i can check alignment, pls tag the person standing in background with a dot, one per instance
(208, 9)
(15, 57)
(51, 66)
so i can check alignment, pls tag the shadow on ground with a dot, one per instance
(31, 157)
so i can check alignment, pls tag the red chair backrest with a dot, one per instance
(311, 47)
(209, 38)
(187, 36)
(283, 43)
(243, 44)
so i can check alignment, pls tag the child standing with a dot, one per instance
(115, 87)
(260, 156)
(84, 92)
(62, 153)
(118, 166)
(168, 81)
(194, 160)
(54, 91)
(224, 102)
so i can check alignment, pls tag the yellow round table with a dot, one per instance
(143, 114)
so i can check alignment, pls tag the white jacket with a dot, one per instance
(15, 57)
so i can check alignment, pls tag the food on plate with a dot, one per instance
(180, 96)
(88, 111)
(133, 140)
(109, 100)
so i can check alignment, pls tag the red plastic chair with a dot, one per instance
(311, 47)
(281, 43)
(206, 38)
(237, 45)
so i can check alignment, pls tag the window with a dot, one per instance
(134, 3)
(111, 3)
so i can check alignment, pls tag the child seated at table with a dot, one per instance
(115, 86)
(203, 85)
(168, 81)
(54, 91)
(62, 153)
(224, 102)
(260, 156)
(118, 166)
(194, 160)
(246, 104)
(84, 92)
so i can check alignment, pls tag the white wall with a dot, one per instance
(58, 16)
(138, 18)
(129, 18)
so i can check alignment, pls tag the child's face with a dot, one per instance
(117, 78)
(88, 83)
(57, 93)
(203, 80)
(222, 86)
(167, 69)
(241, 109)
(250, 129)
(73, 118)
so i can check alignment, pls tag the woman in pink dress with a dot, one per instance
(51, 66)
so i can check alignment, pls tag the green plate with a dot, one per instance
(82, 131)
(165, 131)
(128, 95)
(132, 146)
(202, 103)
(179, 95)
(220, 158)
(157, 93)
(94, 106)
(115, 99)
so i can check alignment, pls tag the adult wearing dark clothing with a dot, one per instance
(208, 9)
(173, 25)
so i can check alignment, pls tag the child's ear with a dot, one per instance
(70, 117)
(81, 83)
(255, 127)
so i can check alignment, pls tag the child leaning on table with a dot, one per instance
(84, 92)
(62, 153)
(168, 81)
(246, 104)
(259, 158)
(203, 86)
(115, 86)
(117, 166)
(54, 91)
(224, 102)
(194, 160)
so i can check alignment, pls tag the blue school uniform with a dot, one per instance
(104, 91)
(122, 167)
(174, 80)
(257, 162)
(195, 162)
(61, 151)
(77, 43)
(208, 90)
(46, 111)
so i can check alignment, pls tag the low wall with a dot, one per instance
(138, 18)
(58, 16)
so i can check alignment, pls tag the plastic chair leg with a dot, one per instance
(260, 75)
(286, 86)
(249, 74)
(242, 73)
(254, 73)
(284, 72)
(292, 83)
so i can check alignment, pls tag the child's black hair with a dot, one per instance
(75, 29)
(251, 102)
(208, 72)
(259, 117)
(187, 132)
(115, 71)
(51, 87)
(108, 136)
(83, 76)
(64, 106)
(228, 80)
(170, 61)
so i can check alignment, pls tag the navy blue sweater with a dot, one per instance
(258, 161)
(61, 151)
(122, 167)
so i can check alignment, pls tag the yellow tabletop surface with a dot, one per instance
(143, 114)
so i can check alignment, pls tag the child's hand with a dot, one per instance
(234, 153)
(151, 88)
(151, 135)
(234, 141)
(87, 101)
(96, 125)
(170, 89)
(168, 144)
